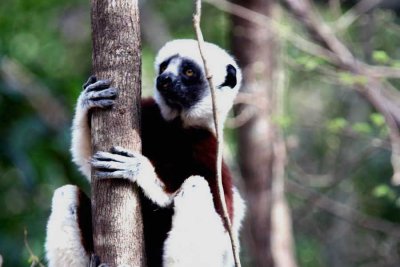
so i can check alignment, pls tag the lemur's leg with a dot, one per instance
(126, 164)
(197, 237)
(69, 240)
(95, 94)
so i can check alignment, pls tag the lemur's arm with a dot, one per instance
(95, 94)
(119, 163)
(123, 163)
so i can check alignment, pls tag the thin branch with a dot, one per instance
(19, 79)
(342, 211)
(336, 53)
(382, 71)
(287, 33)
(341, 173)
(335, 7)
(246, 114)
(219, 133)
(32, 257)
(354, 13)
(372, 89)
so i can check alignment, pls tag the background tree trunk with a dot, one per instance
(262, 153)
(117, 221)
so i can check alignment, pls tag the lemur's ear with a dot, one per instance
(230, 79)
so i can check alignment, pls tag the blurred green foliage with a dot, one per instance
(34, 158)
(328, 127)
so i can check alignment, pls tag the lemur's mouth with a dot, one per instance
(172, 101)
(178, 92)
(176, 98)
(174, 93)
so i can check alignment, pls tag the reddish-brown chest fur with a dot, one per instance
(178, 153)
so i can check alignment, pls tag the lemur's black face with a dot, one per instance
(181, 82)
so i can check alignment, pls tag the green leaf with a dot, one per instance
(310, 63)
(362, 128)
(346, 78)
(350, 79)
(337, 125)
(384, 191)
(380, 190)
(380, 56)
(395, 63)
(283, 121)
(377, 119)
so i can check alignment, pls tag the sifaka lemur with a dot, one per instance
(176, 170)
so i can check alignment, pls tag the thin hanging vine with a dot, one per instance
(219, 134)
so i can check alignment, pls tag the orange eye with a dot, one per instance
(189, 72)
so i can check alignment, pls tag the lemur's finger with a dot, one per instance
(109, 165)
(94, 260)
(109, 175)
(92, 79)
(106, 93)
(101, 84)
(106, 156)
(122, 151)
(101, 103)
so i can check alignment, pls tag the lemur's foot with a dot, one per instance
(97, 94)
(69, 237)
(119, 163)
(194, 215)
(194, 194)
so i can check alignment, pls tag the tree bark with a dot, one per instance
(116, 211)
(262, 154)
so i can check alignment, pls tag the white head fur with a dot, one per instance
(201, 114)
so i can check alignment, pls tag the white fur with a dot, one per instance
(152, 186)
(173, 66)
(136, 168)
(80, 144)
(197, 237)
(239, 208)
(63, 240)
(199, 115)
(218, 59)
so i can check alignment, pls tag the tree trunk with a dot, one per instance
(262, 153)
(116, 211)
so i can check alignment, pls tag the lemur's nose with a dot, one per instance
(165, 81)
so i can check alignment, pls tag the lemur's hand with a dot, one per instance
(97, 94)
(120, 163)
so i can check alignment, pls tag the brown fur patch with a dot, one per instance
(85, 221)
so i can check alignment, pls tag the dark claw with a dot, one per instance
(100, 157)
(92, 79)
(99, 85)
(108, 93)
(120, 151)
(94, 261)
(105, 103)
